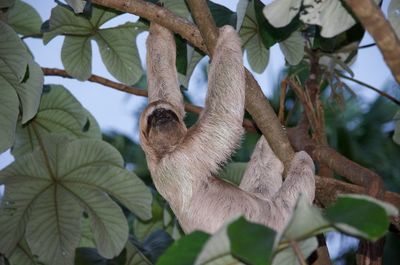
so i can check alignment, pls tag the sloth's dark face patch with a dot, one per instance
(160, 118)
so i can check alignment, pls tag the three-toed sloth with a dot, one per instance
(183, 162)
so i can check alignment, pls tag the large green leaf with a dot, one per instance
(77, 5)
(257, 53)
(59, 112)
(13, 54)
(119, 54)
(53, 230)
(241, 8)
(23, 255)
(281, 13)
(29, 92)
(117, 45)
(293, 48)
(217, 250)
(24, 19)
(16, 94)
(143, 229)
(106, 218)
(185, 250)
(393, 15)
(47, 190)
(251, 243)
(306, 221)
(76, 56)
(361, 216)
(64, 22)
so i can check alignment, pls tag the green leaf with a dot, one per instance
(221, 14)
(107, 221)
(117, 45)
(119, 54)
(217, 250)
(53, 230)
(332, 16)
(143, 229)
(241, 8)
(6, 3)
(134, 256)
(185, 250)
(29, 92)
(289, 257)
(359, 216)
(306, 221)
(234, 172)
(257, 53)
(8, 112)
(193, 58)
(14, 95)
(59, 112)
(393, 15)
(47, 190)
(281, 13)
(13, 54)
(293, 48)
(76, 56)
(23, 255)
(64, 22)
(24, 19)
(251, 243)
(263, 26)
(77, 5)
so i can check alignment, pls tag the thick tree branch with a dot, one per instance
(373, 20)
(256, 103)
(341, 165)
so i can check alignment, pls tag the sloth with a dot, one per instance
(184, 162)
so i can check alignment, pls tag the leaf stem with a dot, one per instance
(298, 253)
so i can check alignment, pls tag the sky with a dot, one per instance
(114, 110)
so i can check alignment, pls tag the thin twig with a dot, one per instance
(367, 46)
(383, 94)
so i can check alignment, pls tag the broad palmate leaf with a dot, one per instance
(117, 45)
(47, 190)
(19, 92)
(59, 112)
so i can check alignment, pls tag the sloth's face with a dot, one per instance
(164, 130)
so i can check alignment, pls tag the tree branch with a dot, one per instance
(247, 124)
(373, 20)
(341, 165)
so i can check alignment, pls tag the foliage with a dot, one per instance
(71, 198)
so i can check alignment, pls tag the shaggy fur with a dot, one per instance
(183, 162)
